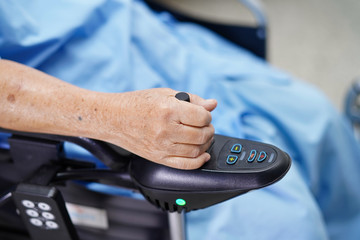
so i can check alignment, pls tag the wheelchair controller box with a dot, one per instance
(236, 167)
(43, 211)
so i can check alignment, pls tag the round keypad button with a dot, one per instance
(32, 213)
(28, 203)
(51, 224)
(44, 206)
(48, 215)
(36, 222)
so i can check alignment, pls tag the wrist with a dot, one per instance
(104, 119)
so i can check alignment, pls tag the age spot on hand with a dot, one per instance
(11, 98)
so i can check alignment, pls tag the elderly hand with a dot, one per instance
(155, 125)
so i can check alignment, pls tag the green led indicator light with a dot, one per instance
(180, 202)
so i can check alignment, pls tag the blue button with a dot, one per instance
(262, 156)
(236, 148)
(231, 159)
(252, 156)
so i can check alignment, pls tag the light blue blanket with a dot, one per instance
(117, 46)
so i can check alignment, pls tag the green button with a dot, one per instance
(231, 159)
(236, 148)
(180, 202)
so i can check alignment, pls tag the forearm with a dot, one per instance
(36, 102)
(151, 123)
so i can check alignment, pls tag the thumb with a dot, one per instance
(208, 104)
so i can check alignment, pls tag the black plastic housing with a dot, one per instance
(214, 182)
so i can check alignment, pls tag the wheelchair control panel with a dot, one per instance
(238, 154)
(43, 211)
(236, 167)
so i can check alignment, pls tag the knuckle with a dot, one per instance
(209, 117)
(212, 129)
(206, 136)
(205, 116)
(164, 109)
(205, 146)
(166, 114)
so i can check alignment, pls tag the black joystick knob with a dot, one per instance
(183, 96)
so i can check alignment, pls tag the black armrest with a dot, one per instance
(112, 156)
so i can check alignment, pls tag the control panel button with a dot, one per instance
(48, 215)
(44, 206)
(52, 225)
(262, 156)
(36, 222)
(236, 148)
(231, 159)
(28, 204)
(252, 156)
(32, 213)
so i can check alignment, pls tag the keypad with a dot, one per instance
(237, 155)
(40, 215)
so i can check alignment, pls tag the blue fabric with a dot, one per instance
(116, 46)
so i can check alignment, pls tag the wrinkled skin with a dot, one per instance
(150, 123)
